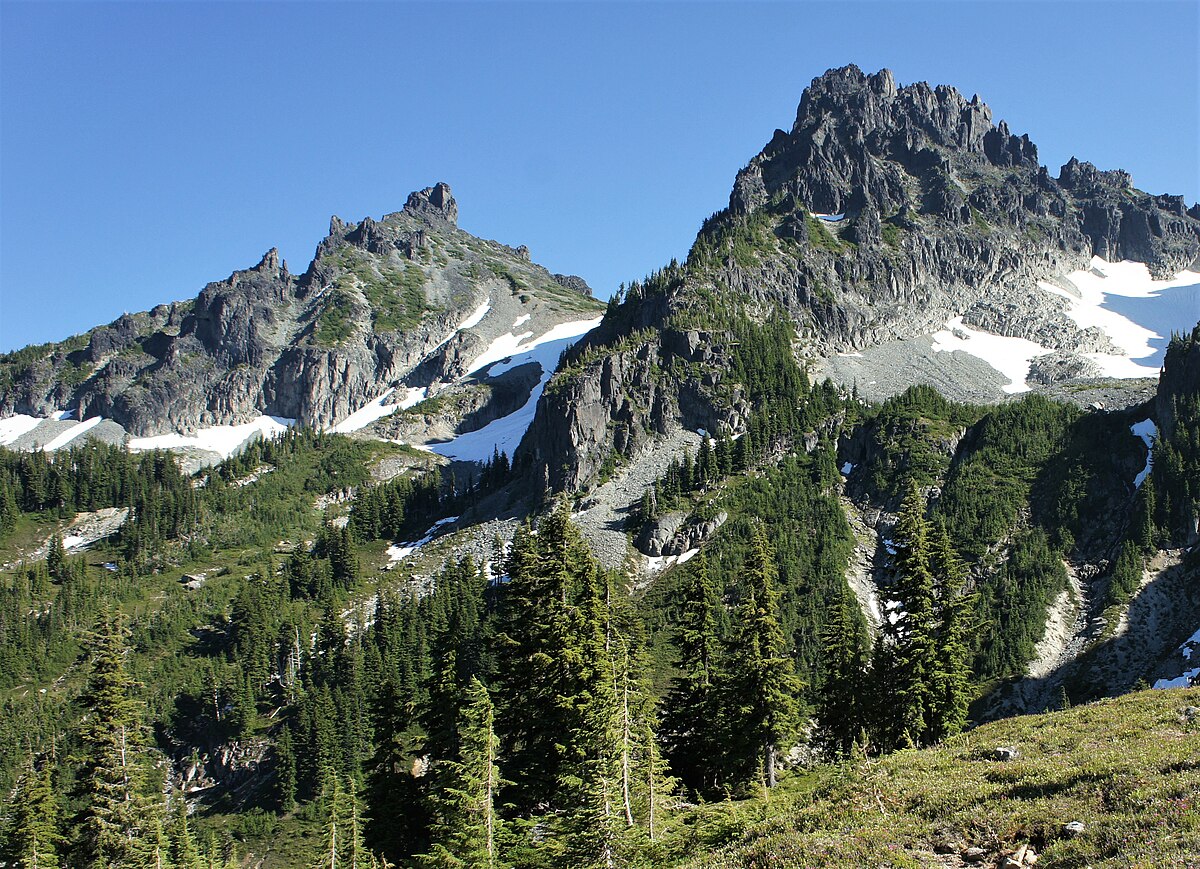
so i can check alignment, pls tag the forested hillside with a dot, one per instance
(232, 675)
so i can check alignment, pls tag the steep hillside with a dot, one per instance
(388, 312)
(885, 216)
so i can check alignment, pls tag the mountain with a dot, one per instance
(771, 564)
(885, 216)
(388, 313)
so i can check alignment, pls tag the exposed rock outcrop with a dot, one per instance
(383, 303)
(882, 214)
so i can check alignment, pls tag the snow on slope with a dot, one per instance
(1147, 431)
(13, 427)
(1010, 356)
(504, 353)
(1137, 312)
(398, 552)
(222, 439)
(70, 434)
(377, 409)
(1190, 650)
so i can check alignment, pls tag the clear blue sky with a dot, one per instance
(146, 149)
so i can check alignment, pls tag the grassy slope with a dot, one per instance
(1127, 768)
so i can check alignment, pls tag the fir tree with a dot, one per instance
(916, 651)
(35, 840)
(951, 681)
(285, 771)
(466, 825)
(185, 854)
(761, 687)
(690, 725)
(117, 817)
(842, 713)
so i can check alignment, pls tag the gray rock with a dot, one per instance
(378, 307)
(946, 214)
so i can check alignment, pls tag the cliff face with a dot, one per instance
(407, 300)
(884, 212)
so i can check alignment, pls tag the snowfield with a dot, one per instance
(221, 439)
(1135, 311)
(1010, 356)
(13, 427)
(505, 353)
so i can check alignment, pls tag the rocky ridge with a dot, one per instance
(405, 302)
(883, 213)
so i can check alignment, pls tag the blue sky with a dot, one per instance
(146, 149)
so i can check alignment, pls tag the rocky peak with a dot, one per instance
(433, 202)
(860, 138)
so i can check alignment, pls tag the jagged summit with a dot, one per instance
(886, 216)
(403, 302)
(435, 202)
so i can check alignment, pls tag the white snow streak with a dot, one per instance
(1148, 432)
(398, 552)
(476, 316)
(73, 432)
(222, 439)
(1010, 356)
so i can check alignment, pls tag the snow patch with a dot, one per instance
(400, 551)
(367, 414)
(1190, 645)
(222, 439)
(73, 432)
(846, 469)
(476, 316)
(1135, 311)
(13, 427)
(505, 434)
(831, 218)
(1148, 432)
(1010, 356)
(524, 318)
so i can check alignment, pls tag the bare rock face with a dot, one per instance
(381, 305)
(884, 212)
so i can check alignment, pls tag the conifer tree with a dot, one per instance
(842, 713)
(35, 840)
(285, 771)
(690, 725)
(916, 652)
(185, 854)
(117, 818)
(762, 689)
(466, 823)
(951, 683)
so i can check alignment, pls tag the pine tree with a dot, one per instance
(285, 771)
(951, 682)
(466, 826)
(117, 818)
(35, 840)
(185, 854)
(842, 713)
(916, 650)
(761, 704)
(690, 724)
